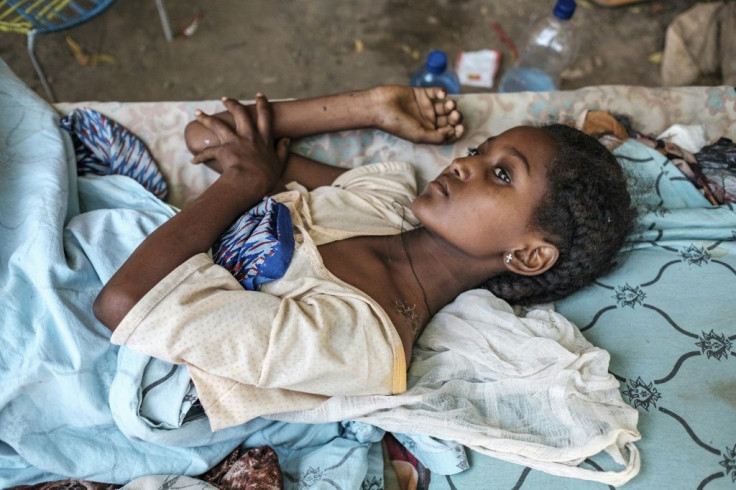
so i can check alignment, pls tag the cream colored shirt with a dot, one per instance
(302, 338)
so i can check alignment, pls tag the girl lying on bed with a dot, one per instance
(532, 214)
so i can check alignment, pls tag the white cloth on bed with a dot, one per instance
(301, 338)
(527, 389)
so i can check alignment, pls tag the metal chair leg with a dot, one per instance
(37, 65)
(164, 20)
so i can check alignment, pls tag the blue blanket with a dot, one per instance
(61, 238)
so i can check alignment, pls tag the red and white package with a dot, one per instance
(478, 68)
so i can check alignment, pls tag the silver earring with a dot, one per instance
(509, 257)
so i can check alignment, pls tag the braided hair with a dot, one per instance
(585, 212)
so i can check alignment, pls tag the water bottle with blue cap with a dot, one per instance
(436, 73)
(551, 48)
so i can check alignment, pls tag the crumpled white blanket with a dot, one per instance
(523, 388)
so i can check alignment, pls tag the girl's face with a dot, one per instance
(483, 203)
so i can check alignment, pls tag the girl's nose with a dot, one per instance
(461, 168)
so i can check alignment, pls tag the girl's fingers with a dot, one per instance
(452, 119)
(220, 128)
(263, 111)
(447, 135)
(243, 122)
(439, 108)
(450, 106)
(282, 149)
(206, 155)
(455, 117)
(450, 134)
(436, 93)
(444, 106)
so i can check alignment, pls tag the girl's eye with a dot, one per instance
(502, 174)
(472, 151)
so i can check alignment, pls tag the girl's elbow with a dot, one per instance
(111, 306)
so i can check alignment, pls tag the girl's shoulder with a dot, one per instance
(381, 171)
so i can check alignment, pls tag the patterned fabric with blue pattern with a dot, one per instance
(257, 248)
(104, 147)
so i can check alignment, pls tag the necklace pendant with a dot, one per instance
(408, 312)
(410, 315)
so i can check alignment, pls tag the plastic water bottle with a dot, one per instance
(551, 48)
(436, 73)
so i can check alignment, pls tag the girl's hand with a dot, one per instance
(247, 149)
(420, 115)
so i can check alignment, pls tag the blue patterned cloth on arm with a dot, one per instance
(257, 248)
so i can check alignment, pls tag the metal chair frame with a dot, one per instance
(34, 17)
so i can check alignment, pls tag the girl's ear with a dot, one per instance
(534, 260)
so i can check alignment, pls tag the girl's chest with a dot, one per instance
(357, 262)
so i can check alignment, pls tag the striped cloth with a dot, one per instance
(104, 147)
(257, 247)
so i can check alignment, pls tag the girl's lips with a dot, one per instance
(441, 184)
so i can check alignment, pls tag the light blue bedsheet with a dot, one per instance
(61, 237)
(58, 243)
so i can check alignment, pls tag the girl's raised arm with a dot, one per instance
(420, 115)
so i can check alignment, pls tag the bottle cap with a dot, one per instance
(564, 9)
(436, 62)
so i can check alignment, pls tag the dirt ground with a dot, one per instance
(299, 48)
